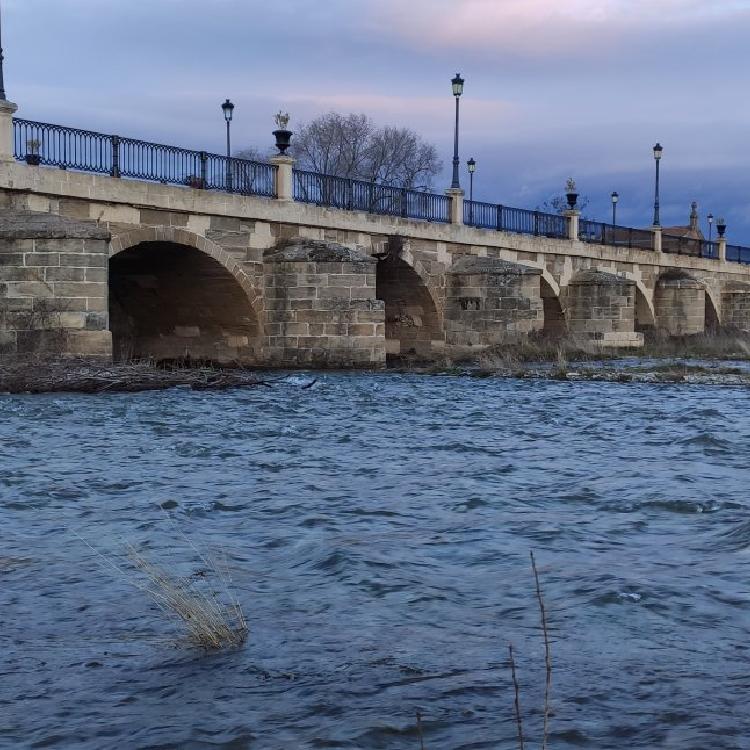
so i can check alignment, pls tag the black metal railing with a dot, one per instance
(88, 151)
(517, 220)
(613, 235)
(358, 195)
(681, 245)
(738, 254)
(709, 250)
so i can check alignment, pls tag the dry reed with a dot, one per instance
(213, 620)
(547, 654)
(517, 703)
(210, 624)
(420, 733)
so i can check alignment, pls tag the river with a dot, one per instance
(377, 529)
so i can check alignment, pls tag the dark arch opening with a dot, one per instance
(712, 316)
(554, 317)
(411, 319)
(171, 302)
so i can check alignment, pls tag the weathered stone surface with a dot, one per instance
(680, 304)
(491, 301)
(319, 291)
(24, 225)
(601, 308)
(316, 251)
(44, 303)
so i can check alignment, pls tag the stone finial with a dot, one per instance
(694, 215)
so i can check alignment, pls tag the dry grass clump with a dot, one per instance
(723, 344)
(210, 623)
(200, 603)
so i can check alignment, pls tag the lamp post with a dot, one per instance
(458, 89)
(657, 158)
(615, 197)
(228, 109)
(472, 166)
(710, 218)
(2, 83)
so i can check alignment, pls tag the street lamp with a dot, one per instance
(472, 166)
(458, 89)
(710, 218)
(228, 109)
(2, 84)
(657, 158)
(615, 197)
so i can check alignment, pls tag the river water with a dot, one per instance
(377, 529)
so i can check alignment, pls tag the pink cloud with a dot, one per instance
(541, 27)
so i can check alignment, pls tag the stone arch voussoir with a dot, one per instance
(431, 283)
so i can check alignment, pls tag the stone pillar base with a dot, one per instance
(7, 110)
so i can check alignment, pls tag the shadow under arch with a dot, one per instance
(412, 317)
(555, 325)
(175, 296)
(713, 319)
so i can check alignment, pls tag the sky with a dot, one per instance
(554, 88)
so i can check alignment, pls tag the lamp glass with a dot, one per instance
(458, 85)
(615, 197)
(228, 109)
(657, 151)
(472, 165)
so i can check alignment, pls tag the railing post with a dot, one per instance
(404, 204)
(7, 110)
(574, 219)
(284, 187)
(203, 157)
(657, 238)
(115, 156)
(499, 223)
(722, 242)
(457, 205)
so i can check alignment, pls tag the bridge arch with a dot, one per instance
(413, 315)
(174, 295)
(645, 316)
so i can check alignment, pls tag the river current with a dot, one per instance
(377, 529)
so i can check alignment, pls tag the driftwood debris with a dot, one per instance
(79, 376)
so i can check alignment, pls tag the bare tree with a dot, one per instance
(252, 154)
(352, 146)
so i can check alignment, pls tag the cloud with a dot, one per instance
(541, 28)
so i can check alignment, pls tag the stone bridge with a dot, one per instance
(99, 266)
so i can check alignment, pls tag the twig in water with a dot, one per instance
(547, 655)
(519, 720)
(419, 729)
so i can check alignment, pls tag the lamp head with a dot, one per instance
(458, 85)
(228, 109)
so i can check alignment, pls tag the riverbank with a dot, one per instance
(722, 359)
(81, 376)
